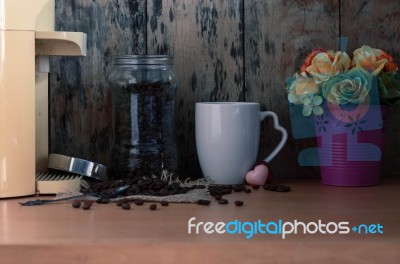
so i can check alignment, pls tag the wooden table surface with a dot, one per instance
(58, 233)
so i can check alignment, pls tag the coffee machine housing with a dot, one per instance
(27, 38)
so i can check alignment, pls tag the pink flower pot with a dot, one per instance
(350, 145)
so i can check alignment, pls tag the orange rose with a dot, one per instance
(342, 62)
(325, 65)
(307, 62)
(305, 85)
(372, 60)
(390, 65)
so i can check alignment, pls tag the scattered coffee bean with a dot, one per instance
(255, 187)
(273, 188)
(223, 201)
(283, 188)
(226, 191)
(76, 204)
(238, 203)
(247, 190)
(164, 203)
(237, 188)
(103, 200)
(139, 202)
(126, 206)
(219, 190)
(267, 186)
(276, 188)
(120, 202)
(218, 197)
(153, 207)
(203, 202)
(86, 205)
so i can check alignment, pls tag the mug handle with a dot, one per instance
(277, 126)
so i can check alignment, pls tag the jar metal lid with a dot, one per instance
(143, 60)
(78, 166)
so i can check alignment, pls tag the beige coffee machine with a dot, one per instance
(27, 38)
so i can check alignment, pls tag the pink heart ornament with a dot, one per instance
(258, 176)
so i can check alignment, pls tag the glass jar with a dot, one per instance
(143, 102)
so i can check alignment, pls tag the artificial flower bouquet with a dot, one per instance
(340, 101)
(333, 77)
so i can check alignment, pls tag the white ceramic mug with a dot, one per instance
(227, 139)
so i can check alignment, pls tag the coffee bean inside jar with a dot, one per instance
(144, 140)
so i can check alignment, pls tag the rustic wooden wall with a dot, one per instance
(230, 50)
(80, 99)
(206, 41)
(278, 36)
(377, 23)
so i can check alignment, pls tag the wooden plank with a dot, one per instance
(377, 24)
(278, 37)
(80, 99)
(206, 40)
(107, 234)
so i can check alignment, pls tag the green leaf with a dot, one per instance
(348, 125)
(292, 98)
(306, 100)
(351, 118)
(317, 100)
(307, 110)
(353, 130)
(317, 110)
(363, 121)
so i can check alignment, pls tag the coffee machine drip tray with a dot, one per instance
(54, 182)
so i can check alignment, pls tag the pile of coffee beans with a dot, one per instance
(144, 130)
(153, 186)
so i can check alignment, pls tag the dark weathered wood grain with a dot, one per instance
(278, 37)
(228, 50)
(377, 24)
(80, 99)
(205, 39)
